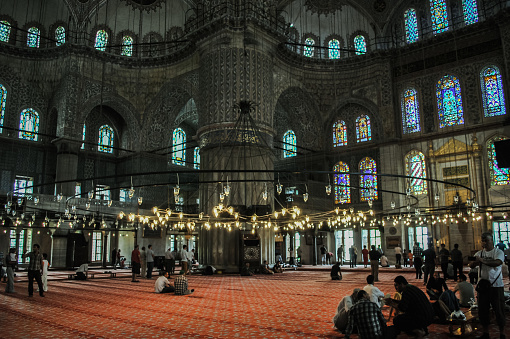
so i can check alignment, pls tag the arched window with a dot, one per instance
(415, 167)
(360, 44)
(470, 10)
(411, 25)
(105, 142)
(289, 144)
(60, 35)
(334, 49)
(196, 158)
(363, 129)
(410, 111)
(449, 102)
(439, 16)
(308, 48)
(368, 182)
(127, 46)
(492, 92)
(342, 184)
(3, 99)
(33, 37)
(83, 136)
(29, 124)
(339, 134)
(179, 147)
(101, 40)
(499, 176)
(5, 31)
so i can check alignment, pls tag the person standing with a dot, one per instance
(11, 261)
(169, 260)
(351, 256)
(323, 254)
(355, 254)
(114, 257)
(340, 254)
(143, 263)
(374, 262)
(150, 261)
(184, 258)
(34, 270)
(398, 255)
(444, 256)
(44, 277)
(430, 262)
(489, 261)
(457, 261)
(405, 257)
(135, 263)
(364, 253)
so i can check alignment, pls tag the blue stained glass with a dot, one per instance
(127, 46)
(83, 136)
(29, 125)
(179, 147)
(411, 23)
(289, 144)
(101, 40)
(410, 111)
(339, 134)
(492, 92)
(196, 158)
(105, 142)
(363, 129)
(360, 45)
(369, 180)
(499, 176)
(449, 102)
(342, 184)
(3, 99)
(415, 167)
(60, 35)
(5, 31)
(470, 10)
(309, 49)
(33, 37)
(334, 49)
(439, 16)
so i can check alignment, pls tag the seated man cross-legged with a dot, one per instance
(181, 284)
(162, 284)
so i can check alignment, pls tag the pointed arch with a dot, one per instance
(309, 49)
(410, 111)
(368, 182)
(60, 35)
(101, 40)
(33, 37)
(127, 46)
(5, 31)
(360, 44)
(342, 183)
(493, 96)
(29, 125)
(498, 176)
(439, 16)
(105, 142)
(449, 102)
(363, 129)
(289, 144)
(411, 25)
(334, 49)
(415, 167)
(339, 133)
(179, 147)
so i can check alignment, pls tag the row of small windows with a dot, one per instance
(33, 35)
(360, 47)
(363, 131)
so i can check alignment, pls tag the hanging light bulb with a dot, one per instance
(59, 197)
(408, 207)
(264, 194)
(176, 199)
(226, 189)
(87, 205)
(456, 198)
(408, 191)
(392, 204)
(436, 197)
(110, 203)
(305, 197)
(222, 197)
(176, 190)
(328, 189)
(370, 203)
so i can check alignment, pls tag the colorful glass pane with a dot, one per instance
(127, 46)
(33, 37)
(339, 134)
(3, 99)
(60, 35)
(289, 144)
(411, 25)
(368, 182)
(498, 176)
(308, 48)
(410, 111)
(492, 92)
(5, 31)
(196, 158)
(470, 10)
(360, 44)
(334, 49)
(415, 167)
(342, 184)
(179, 147)
(29, 124)
(449, 102)
(439, 16)
(363, 129)
(105, 142)
(101, 40)
(83, 136)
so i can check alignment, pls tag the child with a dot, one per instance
(44, 277)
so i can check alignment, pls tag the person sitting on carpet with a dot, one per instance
(466, 291)
(375, 294)
(264, 269)
(384, 261)
(277, 268)
(82, 271)
(435, 286)
(181, 284)
(246, 271)
(342, 311)
(336, 272)
(162, 284)
(368, 318)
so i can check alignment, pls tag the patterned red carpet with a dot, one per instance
(289, 305)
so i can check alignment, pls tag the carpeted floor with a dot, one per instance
(289, 305)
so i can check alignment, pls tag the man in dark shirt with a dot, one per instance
(34, 271)
(435, 286)
(336, 273)
(135, 263)
(430, 262)
(444, 255)
(368, 318)
(457, 261)
(374, 262)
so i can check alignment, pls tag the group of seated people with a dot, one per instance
(180, 286)
(264, 269)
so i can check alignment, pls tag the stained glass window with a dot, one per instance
(29, 124)
(411, 23)
(83, 136)
(415, 167)
(105, 142)
(60, 35)
(196, 158)
(127, 46)
(308, 48)
(439, 16)
(5, 31)
(289, 144)
(368, 182)
(449, 102)
(363, 129)
(342, 184)
(23, 186)
(470, 11)
(33, 37)
(101, 40)
(339, 134)
(410, 111)
(334, 49)
(492, 92)
(3, 99)
(179, 147)
(360, 45)
(499, 176)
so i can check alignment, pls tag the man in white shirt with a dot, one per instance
(44, 276)
(375, 294)
(162, 284)
(184, 258)
(82, 271)
(169, 261)
(398, 255)
(150, 261)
